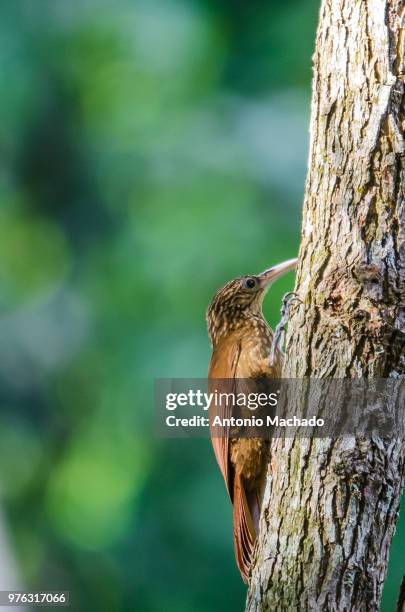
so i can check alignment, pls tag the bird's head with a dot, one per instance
(240, 299)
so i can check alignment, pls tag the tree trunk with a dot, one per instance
(331, 505)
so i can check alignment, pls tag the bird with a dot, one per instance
(242, 343)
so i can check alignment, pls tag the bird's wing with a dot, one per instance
(246, 496)
(221, 378)
(244, 534)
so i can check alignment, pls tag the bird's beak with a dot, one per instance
(269, 276)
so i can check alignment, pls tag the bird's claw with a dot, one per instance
(279, 333)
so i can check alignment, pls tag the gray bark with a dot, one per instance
(331, 506)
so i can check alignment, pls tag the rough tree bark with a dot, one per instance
(331, 505)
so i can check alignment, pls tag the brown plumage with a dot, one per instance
(241, 342)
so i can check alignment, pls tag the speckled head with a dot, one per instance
(240, 299)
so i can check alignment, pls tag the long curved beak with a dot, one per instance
(269, 276)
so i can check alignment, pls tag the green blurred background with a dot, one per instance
(150, 151)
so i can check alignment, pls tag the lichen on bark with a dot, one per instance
(331, 506)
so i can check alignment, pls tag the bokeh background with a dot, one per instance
(150, 150)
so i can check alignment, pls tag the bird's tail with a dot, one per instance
(246, 512)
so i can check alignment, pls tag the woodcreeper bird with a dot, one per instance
(242, 342)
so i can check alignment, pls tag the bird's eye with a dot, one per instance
(250, 283)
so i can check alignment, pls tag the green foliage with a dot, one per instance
(151, 149)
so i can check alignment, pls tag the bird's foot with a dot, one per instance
(279, 333)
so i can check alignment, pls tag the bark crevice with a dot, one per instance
(331, 505)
